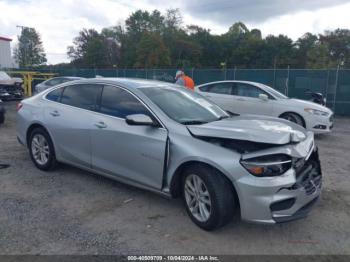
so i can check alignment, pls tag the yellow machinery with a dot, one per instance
(29, 76)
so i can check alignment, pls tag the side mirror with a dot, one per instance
(263, 97)
(139, 120)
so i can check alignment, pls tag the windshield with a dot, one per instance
(273, 91)
(185, 107)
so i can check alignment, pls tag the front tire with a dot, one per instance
(41, 149)
(295, 118)
(208, 196)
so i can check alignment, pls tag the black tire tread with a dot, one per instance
(51, 164)
(221, 193)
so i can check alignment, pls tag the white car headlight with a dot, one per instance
(316, 112)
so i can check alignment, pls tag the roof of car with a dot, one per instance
(69, 77)
(229, 81)
(130, 82)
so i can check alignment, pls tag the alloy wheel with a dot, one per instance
(40, 149)
(197, 198)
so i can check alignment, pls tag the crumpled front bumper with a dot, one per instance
(285, 198)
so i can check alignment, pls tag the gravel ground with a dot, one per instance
(69, 211)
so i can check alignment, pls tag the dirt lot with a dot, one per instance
(69, 211)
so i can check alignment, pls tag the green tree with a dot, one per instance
(338, 43)
(93, 49)
(151, 52)
(30, 50)
(155, 39)
(278, 52)
(304, 45)
(318, 57)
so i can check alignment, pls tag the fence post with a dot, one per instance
(234, 73)
(336, 87)
(327, 85)
(225, 73)
(287, 82)
(192, 72)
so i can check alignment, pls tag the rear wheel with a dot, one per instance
(41, 149)
(295, 118)
(208, 196)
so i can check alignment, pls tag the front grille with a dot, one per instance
(308, 174)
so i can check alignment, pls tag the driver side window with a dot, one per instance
(120, 103)
(246, 90)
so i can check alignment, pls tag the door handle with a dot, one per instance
(101, 125)
(240, 99)
(55, 113)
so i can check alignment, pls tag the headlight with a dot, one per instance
(268, 166)
(316, 112)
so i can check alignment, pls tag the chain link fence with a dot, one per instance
(333, 83)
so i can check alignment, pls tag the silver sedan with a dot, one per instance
(175, 142)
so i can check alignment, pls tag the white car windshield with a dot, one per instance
(185, 107)
(272, 91)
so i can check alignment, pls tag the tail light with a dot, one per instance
(19, 106)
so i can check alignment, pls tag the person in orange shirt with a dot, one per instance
(184, 80)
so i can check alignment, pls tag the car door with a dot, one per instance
(69, 121)
(135, 153)
(221, 94)
(247, 101)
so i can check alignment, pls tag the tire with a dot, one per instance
(2, 118)
(40, 141)
(215, 195)
(295, 118)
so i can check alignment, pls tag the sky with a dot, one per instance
(59, 21)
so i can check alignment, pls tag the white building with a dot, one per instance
(6, 60)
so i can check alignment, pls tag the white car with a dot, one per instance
(243, 97)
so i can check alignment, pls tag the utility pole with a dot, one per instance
(340, 63)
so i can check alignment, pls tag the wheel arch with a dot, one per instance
(32, 127)
(295, 113)
(175, 184)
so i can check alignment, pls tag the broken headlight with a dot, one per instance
(267, 166)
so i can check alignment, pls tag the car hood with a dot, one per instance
(308, 104)
(252, 128)
(8, 82)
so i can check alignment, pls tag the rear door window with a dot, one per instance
(218, 88)
(83, 96)
(55, 95)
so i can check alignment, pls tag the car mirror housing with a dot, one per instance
(263, 97)
(139, 120)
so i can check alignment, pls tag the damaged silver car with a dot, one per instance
(167, 139)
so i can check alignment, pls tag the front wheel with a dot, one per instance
(293, 118)
(208, 196)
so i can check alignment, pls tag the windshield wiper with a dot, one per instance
(193, 122)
